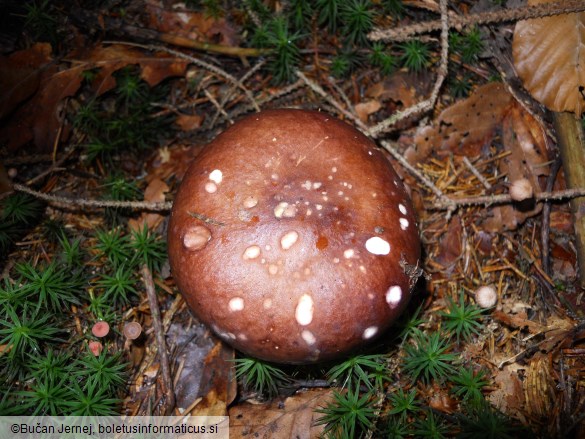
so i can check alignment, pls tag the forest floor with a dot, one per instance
(104, 104)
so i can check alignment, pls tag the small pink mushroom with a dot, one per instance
(100, 329)
(95, 347)
(293, 238)
(132, 330)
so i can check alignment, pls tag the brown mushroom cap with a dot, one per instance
(291, 237)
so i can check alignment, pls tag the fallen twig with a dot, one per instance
(459, 22)
(160, 340)
(80, 202)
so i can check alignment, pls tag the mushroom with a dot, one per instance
(100, 329)
(95, 347)
(292, 237)
(132, 330)
(486, 296)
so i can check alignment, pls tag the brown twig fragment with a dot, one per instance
(160, 340)
(319, 90)
(80, 202)
(477, 174)
(448, 203)
(459, 22)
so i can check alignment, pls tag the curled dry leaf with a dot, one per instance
(549, 54)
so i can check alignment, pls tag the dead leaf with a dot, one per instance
(527, 160)
(218, 383)
(509, 397)
(548, 55)
(465, 126)
(20, 75)
(402, 88)
(41, 118)
(195, 25)
(154, 193)
(171, 161)
(189, 122)
(292, 418)
(450, 246)
(364, 109)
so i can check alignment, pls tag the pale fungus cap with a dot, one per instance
(290, 235)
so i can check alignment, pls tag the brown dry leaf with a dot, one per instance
(154, 193)
(509, 397)
(549, 56)
(195, 25)
(292, 418)
(20, 75)
(465, 126)
(527, 160)
(171, 161)
(218, 383)
(109, 59)
(450, 247)
(402, 88)
(41, 118)
(189, 122)
(364, 109)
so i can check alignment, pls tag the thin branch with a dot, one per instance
(459, 22)
(477, 174)
(319, 90)
(80, 202)
(428, 104)
(160, 340)
(448, 203)
(424, 180)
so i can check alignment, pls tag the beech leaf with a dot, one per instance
(549, 56)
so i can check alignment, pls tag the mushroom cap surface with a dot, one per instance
(292, 237)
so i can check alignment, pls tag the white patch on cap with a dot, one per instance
(236, 304)
(377, 246)
(289, 239)
(251, 252)
(285, 210)
(394, 296)
(349, 253)
(317, 185)
(304, 310)
(196, 238)
(403, 223)
(272, 269)
(250, 202)
(402, 208)
(267, 303)
(309, 337)
(210, 187)
(216, 176)
(307, 185)
(370, 332)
